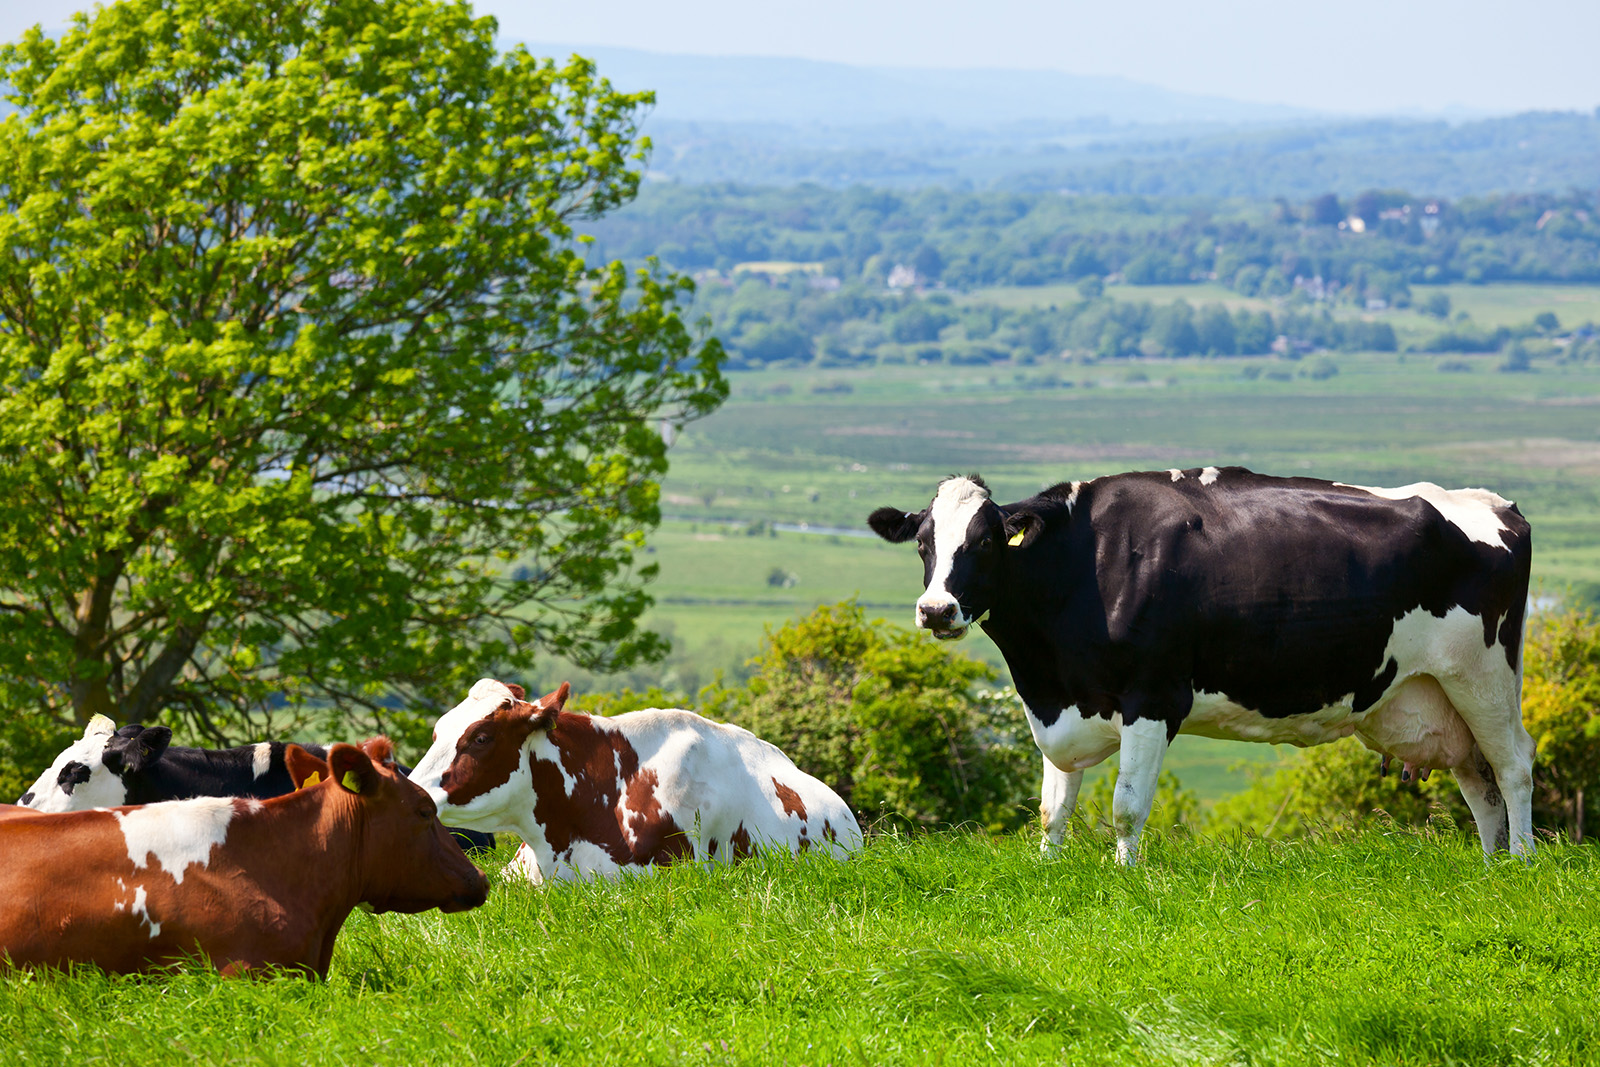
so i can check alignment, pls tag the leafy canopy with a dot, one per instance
(307, 391)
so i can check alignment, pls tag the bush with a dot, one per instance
(1561, 709)
(887, 717)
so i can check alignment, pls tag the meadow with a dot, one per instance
(1377, 947)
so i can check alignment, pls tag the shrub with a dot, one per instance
(887, 717)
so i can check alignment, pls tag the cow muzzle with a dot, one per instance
(943, 618)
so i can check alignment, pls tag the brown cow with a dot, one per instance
(245, 883)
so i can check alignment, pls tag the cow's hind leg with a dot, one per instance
(1058, 799)
(1493, 712)
(1144, 746)
(1482, 794)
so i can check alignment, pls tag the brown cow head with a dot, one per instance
(409, 862)
(475, 765)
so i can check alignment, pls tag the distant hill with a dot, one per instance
(769, 121)
(803, 91)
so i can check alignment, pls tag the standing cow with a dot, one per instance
(246, 883)
(1229, 604)
(594, 795)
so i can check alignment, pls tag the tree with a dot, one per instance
(1325, 210)
(887, 717)
(928, 263)
(1561, 709)
(309, 393)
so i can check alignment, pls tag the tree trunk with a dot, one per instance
(1577, 830)
(90, 687)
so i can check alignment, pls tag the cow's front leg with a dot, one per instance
(1144, 746)
(1058, 799)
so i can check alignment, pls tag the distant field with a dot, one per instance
(1486, 305)
(1357, 950)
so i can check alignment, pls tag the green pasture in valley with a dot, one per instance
(1370, 948)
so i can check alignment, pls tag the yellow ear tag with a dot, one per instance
(1016, 538)
(311, 779)
(351, 782)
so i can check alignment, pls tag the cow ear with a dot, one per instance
(353, 769)
(1023, 528)
(543, 712)
(147, 748)
(517, 691)
(379, 749)
(895, 525)
(304, 768)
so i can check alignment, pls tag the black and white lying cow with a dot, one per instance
(1229, 604)
(108, 767)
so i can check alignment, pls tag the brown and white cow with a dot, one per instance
(244, 883)
(592, 795)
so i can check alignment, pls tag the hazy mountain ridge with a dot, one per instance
(801, 91)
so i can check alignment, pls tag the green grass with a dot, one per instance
(1353, 949)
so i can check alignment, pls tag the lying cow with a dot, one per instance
(138, 765)
(246, 883)
(595, 795)
(1229, 604)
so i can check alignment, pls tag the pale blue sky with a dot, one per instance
(1368, 56)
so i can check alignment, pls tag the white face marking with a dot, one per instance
(176, 832)
(261, 759)
(102, 790)
(957, 501)
(1177, 475)
(1208, 475)
(483, 699)
(1469, 510)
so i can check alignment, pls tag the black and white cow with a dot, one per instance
(1225, 603)
(108, 767)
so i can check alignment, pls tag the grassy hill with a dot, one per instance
(1375, 949)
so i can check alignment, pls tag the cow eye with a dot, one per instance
(986, 544)
(481, 737)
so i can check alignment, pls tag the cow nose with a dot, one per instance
(935, 616)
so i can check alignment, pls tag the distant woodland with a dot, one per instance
(807, 273)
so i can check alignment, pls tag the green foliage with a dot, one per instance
(623, 700)
(888, 718)
(1561, 709)
(1333, 785)
(309, 392)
